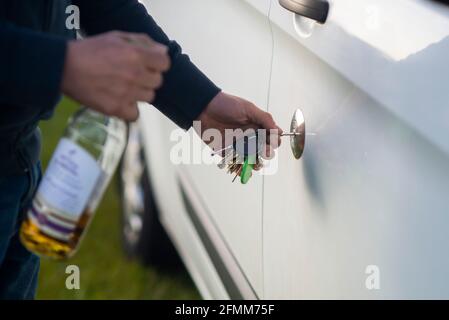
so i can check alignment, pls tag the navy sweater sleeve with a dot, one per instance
(26, 58)
(186, 90)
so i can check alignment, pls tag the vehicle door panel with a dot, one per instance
(371, 187)
(230, 40)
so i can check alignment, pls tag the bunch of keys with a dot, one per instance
(244, 155)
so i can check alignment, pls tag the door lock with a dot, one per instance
(297, 134)
(243, 155)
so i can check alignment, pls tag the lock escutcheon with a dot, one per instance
(298, 139)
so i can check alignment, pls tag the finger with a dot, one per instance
(140, 39)
(147, 79)
(155, 57)
(152, 80)
(268, 153)
(137, 39)
(142, 94)
(275, 138)
(262, 118)
(129, 112)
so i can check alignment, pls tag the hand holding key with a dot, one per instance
(226, 112)
(230, 112)
(245, 154)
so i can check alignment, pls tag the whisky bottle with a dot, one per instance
(73, 184)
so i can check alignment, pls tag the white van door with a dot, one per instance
(365, 212)
(230, 40)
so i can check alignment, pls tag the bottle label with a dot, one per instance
(69, 180)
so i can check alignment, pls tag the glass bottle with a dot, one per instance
(73, 184)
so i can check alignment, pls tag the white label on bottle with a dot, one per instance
(70, 179)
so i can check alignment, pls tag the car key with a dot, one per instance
(243, 155)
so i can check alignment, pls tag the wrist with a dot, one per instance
(215, 102)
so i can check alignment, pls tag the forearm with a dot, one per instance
(31, 67)
(186, 90)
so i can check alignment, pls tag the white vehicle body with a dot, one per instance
(371, 193)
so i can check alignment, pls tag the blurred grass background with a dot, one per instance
(106, 273)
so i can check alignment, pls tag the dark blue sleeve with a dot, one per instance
(31, 67)
(186, 90)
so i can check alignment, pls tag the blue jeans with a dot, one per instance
(18, 267)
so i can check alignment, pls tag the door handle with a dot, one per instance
(317, 10)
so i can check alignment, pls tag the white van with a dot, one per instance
(365, 213)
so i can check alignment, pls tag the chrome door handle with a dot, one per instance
(317, 10)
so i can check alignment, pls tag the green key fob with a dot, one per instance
(247, 169)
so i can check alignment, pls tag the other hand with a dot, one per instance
(111, 72)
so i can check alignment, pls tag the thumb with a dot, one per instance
(262, 119)
(265, 121)
(129, 112)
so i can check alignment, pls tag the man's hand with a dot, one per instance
(110, 73)
(229, 112)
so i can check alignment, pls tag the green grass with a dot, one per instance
(106, 273)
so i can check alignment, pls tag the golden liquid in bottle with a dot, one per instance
(76, 178)
(35, 240)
